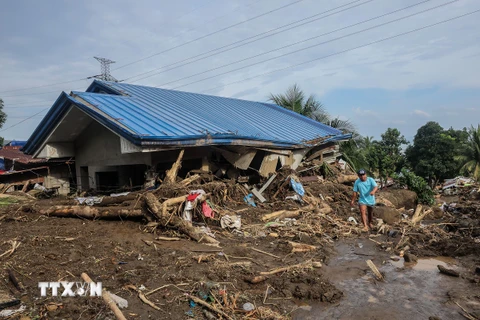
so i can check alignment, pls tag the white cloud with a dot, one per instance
(421, 113)
(58, 45)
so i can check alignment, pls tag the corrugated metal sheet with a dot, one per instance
(155, 113)
(153, 116)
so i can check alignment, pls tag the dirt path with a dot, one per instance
(114, 253)
(411, 291)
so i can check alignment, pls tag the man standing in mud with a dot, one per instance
(365, 187)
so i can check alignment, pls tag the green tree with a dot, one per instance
(3, 118)
(357, 152)
(295, 99)
(470, 157)
(432, 155)
(346, 126)
(386, 156)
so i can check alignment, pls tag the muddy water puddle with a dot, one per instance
(413, 291)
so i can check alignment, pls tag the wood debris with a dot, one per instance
(375, 271)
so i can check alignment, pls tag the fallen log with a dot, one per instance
(92, 212)
(108, 201)
(300, 247)
(171, 175)
(171, 202)
(108, 300)
(175, 221)
(282, 214)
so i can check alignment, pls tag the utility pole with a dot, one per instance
(105, 65)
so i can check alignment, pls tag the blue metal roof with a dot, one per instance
(154, 116)
(15, 143)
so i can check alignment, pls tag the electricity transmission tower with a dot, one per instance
(105, 65)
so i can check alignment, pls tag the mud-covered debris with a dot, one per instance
(448, 272)
(409, 257)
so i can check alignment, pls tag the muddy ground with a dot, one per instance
(119, 253)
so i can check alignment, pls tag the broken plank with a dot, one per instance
(267, 184)
(259, 196)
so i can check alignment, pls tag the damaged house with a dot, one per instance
(19, 171)
(125, 136)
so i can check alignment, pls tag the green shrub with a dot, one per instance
(417, 184)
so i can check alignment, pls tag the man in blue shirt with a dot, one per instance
(365, 187)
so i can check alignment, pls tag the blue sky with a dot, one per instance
(403, 82)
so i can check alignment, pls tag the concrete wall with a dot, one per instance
(59, 177)
(99, 149)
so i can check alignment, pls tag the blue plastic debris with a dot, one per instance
(192, 304)
(249, 200)
(297, 187)
(190, 314)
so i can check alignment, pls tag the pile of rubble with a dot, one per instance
(265, 242)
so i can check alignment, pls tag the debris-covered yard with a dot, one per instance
(300, 254)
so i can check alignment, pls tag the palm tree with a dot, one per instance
(346, 126)
(296, 100)
(470, 159)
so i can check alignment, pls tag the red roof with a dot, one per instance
(19, 156)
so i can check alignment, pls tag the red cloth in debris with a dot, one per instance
(192, 197)
(207, 211)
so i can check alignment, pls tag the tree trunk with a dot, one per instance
(172, 173)
(92, 212)
(107, 201)
(174, 221)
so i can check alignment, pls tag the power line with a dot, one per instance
(249, 38)
(34, 94)
(312, 60)
(16, 124)
(43, 86)
(211, 33)
(312, 38)
(23, 107)
(312, 46)
(11, 105)
(29, 94)
(71, 81)
(22, 117)
(344, 51)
